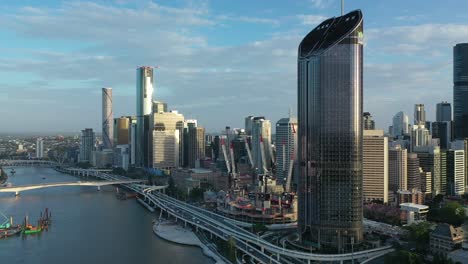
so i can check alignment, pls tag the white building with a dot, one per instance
(39, 148)
(261, 134)
(456, 172)
(375, 166)
(286, 146)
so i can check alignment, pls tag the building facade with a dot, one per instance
(400, 124)
(261, 134)
(144, 105)
(414, 175)
(443, 112)
(195, 144)
(107, 118)
(87, 144)
(398, 169)
(369, 123)
(39, 148)
(375, 166)
(330, 97)
(460, 90)
(456, 172)
(286, 147)
(122, 130)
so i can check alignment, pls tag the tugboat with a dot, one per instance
(30, 229)
(7, 229)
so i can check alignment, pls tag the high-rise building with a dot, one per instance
(414, 175)
(122, 130)
(426, 181)
(195, 144)
(248, 125)
(369, 123)
(375, 166)
(443, 172)
(400, 124)
(430, 161)
(159, 107)
(133, 141)
(39, 148)
(87, 144)
(330, 97)
(462, 145)
(167, 140)
(107, 118)
(443, 112)
(460, 90)
(261, 135)
(398, 169)
(286, 146)
(144, 105)
(419, 115)
(456, 172)
(420, 136)
(443, 130)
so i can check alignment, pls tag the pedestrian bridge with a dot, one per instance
(17, 189)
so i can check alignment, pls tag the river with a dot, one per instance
(89, 226)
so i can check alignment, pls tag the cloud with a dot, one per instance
(311, 19)
(321, 3)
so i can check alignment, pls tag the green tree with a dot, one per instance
(419, 235)
(451, 213)
(402, 256)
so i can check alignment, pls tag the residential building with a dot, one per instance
(398, 169)
(456, 172)
(107, 118)
(414, 176)
(39, 148)
(445, 238)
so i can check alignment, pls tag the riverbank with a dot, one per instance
(177, 234)
(3, 176)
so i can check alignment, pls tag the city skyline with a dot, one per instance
(192, 77)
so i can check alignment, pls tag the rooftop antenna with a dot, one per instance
(342, 7)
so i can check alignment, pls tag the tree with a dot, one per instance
(451, 213)
(402, 256)
(419, 235)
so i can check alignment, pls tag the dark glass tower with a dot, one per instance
(330, 64)
(460, 90)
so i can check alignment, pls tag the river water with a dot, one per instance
(89, 226)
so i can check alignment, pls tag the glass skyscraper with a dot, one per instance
(460, 90)
(330, 96)
(144, 106)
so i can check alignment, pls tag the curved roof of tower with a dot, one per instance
(329, 32)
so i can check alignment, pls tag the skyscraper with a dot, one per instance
(375, 166)
(248, 125)
(87, 144)
(144, 104)
(443, 112)
(369, 123)
(107, 118)
(122, 130)
(261, 135)
(195, 144)
(286, 146)
(414, 175)
(460, 90)
(400, 124)
(398, 169)
(167, 140)
(39, 148)
(456, 172)
(159, 107)
(430, 161)
(330, 96)
(419, 115)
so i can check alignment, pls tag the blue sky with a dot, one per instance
(219, 60)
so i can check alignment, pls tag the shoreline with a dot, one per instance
(175, 233)
(4, 176)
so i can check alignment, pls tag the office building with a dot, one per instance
(159, 107)
(420, 136)
(39, 148)
(107, 119)
(443, 130)
(195, 144)
(248, 125)
(167, 140)
(369, 123)
(398, 169)
(144, 105)
(462, 145)
(102, 158)
(122, 156)
(443, 112)
(414, 176)
(330, 97)
(286, 146)
(460, 90)
(133, 141)
(375, 166)
(261, 135)
(430, 161)
(419, 115)
(87, 144)
(456, 172)
(122, 130)
(426, 181)
(400, 125)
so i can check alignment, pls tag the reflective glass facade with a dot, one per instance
(460, 90)
(330, 63)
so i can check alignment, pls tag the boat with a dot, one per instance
(11, 232)
(29, 229)
(12, 171)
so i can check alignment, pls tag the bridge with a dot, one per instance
(17, 189)
(28, 163)
(223, 227)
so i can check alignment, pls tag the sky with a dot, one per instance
(219, 60)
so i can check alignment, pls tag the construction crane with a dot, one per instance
(223, 147)
(289, 178)
(233, 165)
(262, 153)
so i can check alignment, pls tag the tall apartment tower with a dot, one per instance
(286, 146)
(107, 118)
(39, 148)
(460, 90)
(400, 124)
(144, 105)
(443, 112)
(456, 172)
(398, 169)
(375, 166)
(369, 123)
(261, 135)
(330, 97)
(195, 144)
(414, 175)
(87, 144)
(419, 115)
